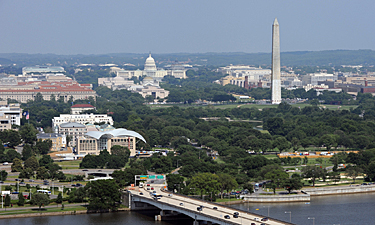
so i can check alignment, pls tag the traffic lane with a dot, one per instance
(192, 205)
(228, 211)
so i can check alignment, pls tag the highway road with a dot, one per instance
(220, 212)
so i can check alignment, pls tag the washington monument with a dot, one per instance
(276, 83)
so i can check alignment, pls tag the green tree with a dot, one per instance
(175, 182)
(26, 173)
(40, 200)
(31, 163)
(45, 160)
(43, 146)
(281, 143)
(7, 201)
(17, 165)
(27, 152)
(313, 173)
(120, 151)
(42, 173)
(3, 175)
(293, 183)
(353, 172)
(205, 183)
(28, 134)
(227, 183)
(277, 177)
(13, 138)
(21, 199)
(59, 199)
(103, 195)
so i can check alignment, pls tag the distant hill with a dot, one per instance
(308, 58)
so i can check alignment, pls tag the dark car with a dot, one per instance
(85, 170)
(264, 219)
(22, 182)
(181, 204)
(140, 193)
(235, 216)
(252, 224)
(79, 185)
(1, 182)
(236, 213)
(31, 180)
(199, 208)
(214, 208)
(227, 217)
(17, 179)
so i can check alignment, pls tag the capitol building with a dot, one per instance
(150, 70)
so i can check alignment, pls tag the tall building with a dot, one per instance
(275, 79)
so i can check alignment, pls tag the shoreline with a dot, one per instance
(304, 195)
(64, 213)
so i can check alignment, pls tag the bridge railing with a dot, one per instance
(189, 210)
(225, 206)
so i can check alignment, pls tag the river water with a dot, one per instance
(336, 209)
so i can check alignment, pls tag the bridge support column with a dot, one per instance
(157, 218)
(195, 222)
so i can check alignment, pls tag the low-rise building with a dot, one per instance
(25, 91)
(58, 140)
(81, 118)
(78, 108)
(73, 130)
(95, 141)
(11, 112)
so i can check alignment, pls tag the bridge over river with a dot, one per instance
(175, 206)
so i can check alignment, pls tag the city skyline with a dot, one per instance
(83, 27)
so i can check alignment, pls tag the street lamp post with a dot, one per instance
(312, 218)
(290, 216)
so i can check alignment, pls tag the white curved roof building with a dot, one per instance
(121, 132)
(95, 141)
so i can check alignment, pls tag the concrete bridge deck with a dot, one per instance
(188, 206)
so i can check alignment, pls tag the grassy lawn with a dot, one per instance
(69, 163)
(57, 209)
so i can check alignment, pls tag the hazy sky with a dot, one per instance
(172, 26)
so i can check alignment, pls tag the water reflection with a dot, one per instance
(337, 209)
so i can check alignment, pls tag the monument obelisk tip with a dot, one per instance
(275, 22)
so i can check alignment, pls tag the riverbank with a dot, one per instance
(340, 190)
(305, 194)
(23, 213)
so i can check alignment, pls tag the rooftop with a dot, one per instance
(72, 124)
(82, 106)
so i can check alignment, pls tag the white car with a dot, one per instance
(256, 219)
(5, 163)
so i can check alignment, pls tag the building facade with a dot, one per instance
(78, 108)
(73, 130)
(81, 118)
(11, 112)
(58, 140)
(95, 141)
(25, 91)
